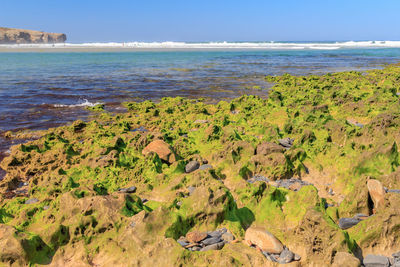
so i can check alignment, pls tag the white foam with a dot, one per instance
(220, 45)
(85, 103)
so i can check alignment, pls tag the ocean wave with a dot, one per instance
(85, 103)
(221, 45)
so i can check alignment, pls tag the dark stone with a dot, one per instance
(131, 189)
(346, 223)
(359, 216)
(216, 246)
(211, 240)
(32, 201)
(286, 142)
(192, 166)
(270, 257)
(286, 256)
(196, 248)
(182, 242)
(376, 261)
(140, 129)
(228, 237)
(205, 167)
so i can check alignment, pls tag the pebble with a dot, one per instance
(205, 167)
(376, 261)
(32, 201)
(131, 189)
(192, 166)
(346, 223)
(144, 200)
(297, 257)
(46, 207)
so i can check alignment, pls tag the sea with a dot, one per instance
(43, 86)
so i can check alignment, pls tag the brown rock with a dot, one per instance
(195, 236)
(264, 240)
(11, 250)
(162, 149)
(377, 192)
(344, 259)
(268, 148)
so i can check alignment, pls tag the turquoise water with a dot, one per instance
(41, 90)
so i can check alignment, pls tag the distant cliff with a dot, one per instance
(18, 36)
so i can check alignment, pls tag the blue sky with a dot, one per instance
(207, 20)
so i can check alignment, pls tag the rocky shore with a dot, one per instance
(19, 36)
(306, 177)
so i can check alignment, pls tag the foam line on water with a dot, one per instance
(85, 103)
(218, 45)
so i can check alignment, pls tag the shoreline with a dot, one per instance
(316, 160)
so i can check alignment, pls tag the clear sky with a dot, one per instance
(207, 20)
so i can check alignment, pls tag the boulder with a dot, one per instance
(162, 149)
(345, 259)
(376, 192)
(264, 240)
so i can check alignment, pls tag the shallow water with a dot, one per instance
(41, 90)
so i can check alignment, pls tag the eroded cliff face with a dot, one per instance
(18, 36)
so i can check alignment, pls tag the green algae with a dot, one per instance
(323, 114)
